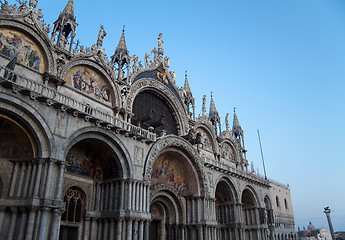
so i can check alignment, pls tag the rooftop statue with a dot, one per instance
(101, 35)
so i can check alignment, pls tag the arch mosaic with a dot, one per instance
(231, 187)
(91, 79)
(184, 146)
(178, 111)
(173, 168)
(228, 151)
(253, 193)
(124, 160)
(32, 122)
(33, 48)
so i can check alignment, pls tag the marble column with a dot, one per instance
(122, 192)
(43, 223)
(31, 223)
(105, 229)
(129, 228)
(141, 197)
(14, 179)
(14, 212)
(27, 180)
(60, 180)
(112, 229)
(22, 224)
(200, 233)
(135, 229)
(93, 231)
(100, 229)
(141, 229)
(49, 178)
(21, 183)
(146, 230)
(38, 177)
(119, 228)
(86, 230)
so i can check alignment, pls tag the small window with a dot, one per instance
(74, 205)
(277, 200)
(285, 203)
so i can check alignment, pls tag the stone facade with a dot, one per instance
(92, 148)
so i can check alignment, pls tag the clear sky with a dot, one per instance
(281, 63)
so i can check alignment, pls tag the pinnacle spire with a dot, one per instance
(69, 10)
(122, 46)
(236, 124)
(186, 84)
(213, 111)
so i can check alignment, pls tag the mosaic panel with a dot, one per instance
(14, 43)
(227, 152)
(15, 142)
(170, 171)
(92, 158)
(90, 82)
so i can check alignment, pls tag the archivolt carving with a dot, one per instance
(154, 85)
(44, 43)
(94, 65)
(180, 143)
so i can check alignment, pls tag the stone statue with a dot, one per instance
(23, 7)
(33, 3)
(135, 61)
(140, 66)
(204, 105)
(5, 8)
(160, 47)
(166, 61)
(227, 122)
(101, 35)
(160, 41)
(147, 62)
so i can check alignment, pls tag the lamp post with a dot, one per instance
(328, 214)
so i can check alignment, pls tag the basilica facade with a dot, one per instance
(96, 148)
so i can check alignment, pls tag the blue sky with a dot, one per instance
(280, 63)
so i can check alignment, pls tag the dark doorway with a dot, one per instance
(68, 233)
(154, 230)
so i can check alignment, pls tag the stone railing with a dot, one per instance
(44, 93)
(222, 167)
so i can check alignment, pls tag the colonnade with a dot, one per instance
(33, 199)
(122, 195)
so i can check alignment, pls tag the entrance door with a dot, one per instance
(68, 233)
(154, 229)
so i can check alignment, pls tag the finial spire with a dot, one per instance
(121, 56)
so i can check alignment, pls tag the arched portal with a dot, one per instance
(225, 210)
(166, 212)
(250, 215)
